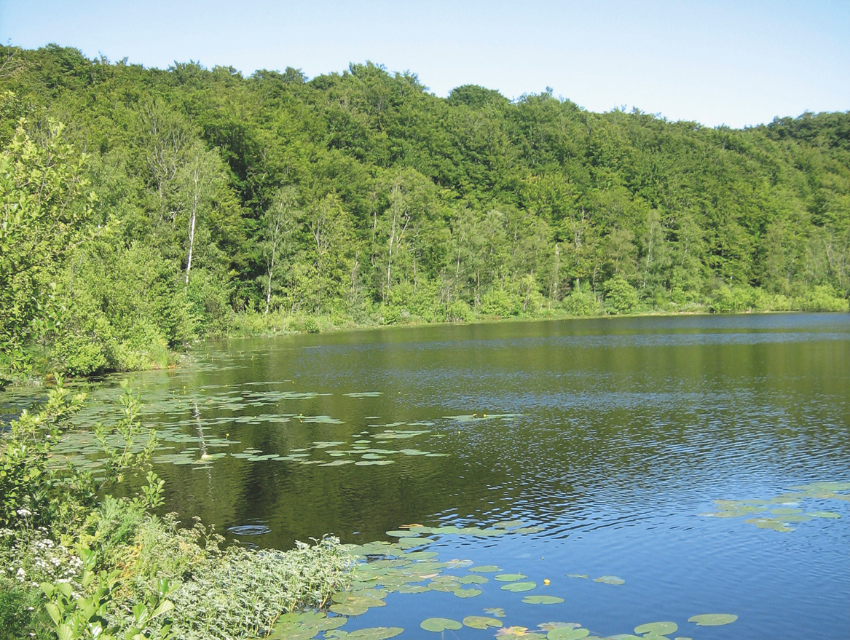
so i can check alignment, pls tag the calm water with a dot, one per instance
(613, 437)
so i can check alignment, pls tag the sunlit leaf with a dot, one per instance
(713, 619)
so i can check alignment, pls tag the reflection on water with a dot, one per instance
(607, 438)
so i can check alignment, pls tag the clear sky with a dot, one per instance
(734, 62)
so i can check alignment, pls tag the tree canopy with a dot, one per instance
(360, 195)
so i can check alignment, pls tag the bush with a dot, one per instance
(620, 296)
(822, 298)
(498, 302)
(581, 303)
(459, 311)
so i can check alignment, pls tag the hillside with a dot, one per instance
(359, 197)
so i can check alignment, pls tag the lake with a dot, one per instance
(696, 464)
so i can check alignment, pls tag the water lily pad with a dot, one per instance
(713, 619)
(509, 577)
(577, 575)
(516, 587)
(349, 609)
(467, 593)
(422, 555)
(495, 611)
(567, 633)
(610, 580)
(402, 534)
(785, 511)
(438, 625)
(412, 588)
(485, 568)
(657, 628)
(542, 600)
(473, 579)
(769, 523)
(375, 633)
(508, 524)
(481, 622)
(824, 514)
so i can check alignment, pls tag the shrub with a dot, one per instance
(581, 303)
(498, 302)
(620, 296)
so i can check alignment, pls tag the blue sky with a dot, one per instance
(716, 62)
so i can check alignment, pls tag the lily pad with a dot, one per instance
(713, 619)
(402, 534)
(516, 587)
(474, 579)
(657, 628)
(349, 609)
(481, 622)
(577, 575)
(567, 633)
(438, 625)
(485, 568)
(495, 611)
(467, 593)
(609, 580)
(509, 577)
(375, 633)
(823, 514)
(542, 600)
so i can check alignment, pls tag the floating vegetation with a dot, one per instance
(577, 575)
(713, 619)
(542, 600)
(485, 568)
(516, 587)
(363, 394)
(438, 625)
(481, 622)
(495, 611)
(657, 628)
(780, 511)
(570, 631)
(467, 593)
(610, 580)
(476, 417)
(509, 577)
(303, 626)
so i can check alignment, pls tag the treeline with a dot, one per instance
(207, 200)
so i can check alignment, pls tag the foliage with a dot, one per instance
(243, 592)
(46, 495)
(205, 197)
(620, 296)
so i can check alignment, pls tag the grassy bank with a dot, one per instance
(575, 306)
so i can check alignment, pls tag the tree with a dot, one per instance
(279, 223)
(46, 205)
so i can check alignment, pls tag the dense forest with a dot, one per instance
(146, 208)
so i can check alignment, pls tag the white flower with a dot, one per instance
(24, 512)
(21, 574)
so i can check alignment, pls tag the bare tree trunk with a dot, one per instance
(196, 195)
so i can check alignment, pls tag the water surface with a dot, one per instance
(613, 436)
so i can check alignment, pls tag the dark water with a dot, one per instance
(623, 432)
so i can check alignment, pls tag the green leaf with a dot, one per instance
(713, 619)
(481, 622)
(485, 568)
(542, 600)
(438, 625)
(519, 586)
(567, 633)
(657, 628)
(53, 611)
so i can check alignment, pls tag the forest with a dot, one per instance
(144, 209)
